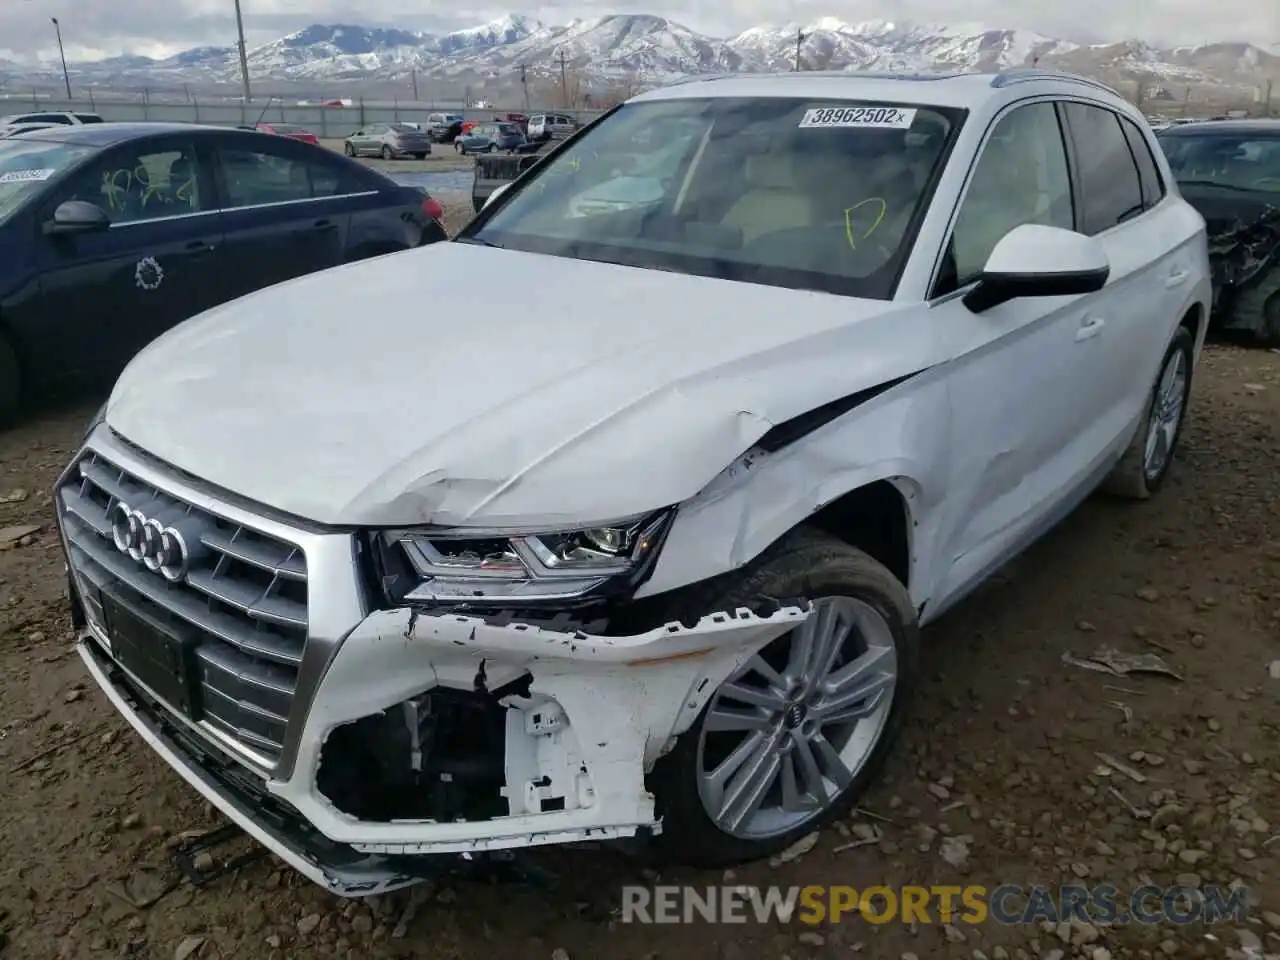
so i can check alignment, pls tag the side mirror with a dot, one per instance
(1038, 261)
(497, 192)
(77, 216)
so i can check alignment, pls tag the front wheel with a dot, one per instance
(1257, 309)
(459, 149)
(1146, 461)
(349, 150)
(419, 156)
(791, 741)
(490, 148)
(387, 154)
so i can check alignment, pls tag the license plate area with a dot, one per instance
(161, 656)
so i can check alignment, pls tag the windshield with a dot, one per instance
(508, 129)
(1240, 161)
(404, 128)
(26, 165)
(287, 128)
(780, 191)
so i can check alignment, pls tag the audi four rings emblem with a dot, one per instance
(160, 547)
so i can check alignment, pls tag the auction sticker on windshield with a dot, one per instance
(22, 176)
(892, 118)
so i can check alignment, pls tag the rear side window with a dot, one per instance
(47, 118)
(88, 118)
(1148, 172)
(1111, 188)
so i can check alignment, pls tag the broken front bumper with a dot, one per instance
(591, 716)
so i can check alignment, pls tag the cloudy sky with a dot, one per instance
(97, 28)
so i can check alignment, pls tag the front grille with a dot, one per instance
(243, 599)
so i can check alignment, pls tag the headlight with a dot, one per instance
(462, 567)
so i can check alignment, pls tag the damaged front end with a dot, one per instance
(1244, 257)
(358, 701)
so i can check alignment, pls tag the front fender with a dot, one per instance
(899, 437)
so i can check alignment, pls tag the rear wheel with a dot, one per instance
(349, 150)
(419, 156)
(490, 148)
(790, 742)
(1147, 459)
(387, 154)
(10, 383)
(459, 148)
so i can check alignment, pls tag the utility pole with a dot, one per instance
(564, 81)
(66, 77)
(524, 82)
(1266, 98)
(799, 41)
(414, 75)
(244, 56)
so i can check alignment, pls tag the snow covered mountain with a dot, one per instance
(652, 49)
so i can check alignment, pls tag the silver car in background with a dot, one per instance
(389, 141)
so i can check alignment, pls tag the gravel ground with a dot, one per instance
(997, 780)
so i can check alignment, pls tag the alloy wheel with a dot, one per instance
(1166, 414)
(785, 736)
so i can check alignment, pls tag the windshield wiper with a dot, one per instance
(1215, 183)
(480, 242)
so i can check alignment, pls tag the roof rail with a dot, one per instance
(1026, 74)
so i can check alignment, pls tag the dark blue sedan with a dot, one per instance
(112, 233)
(489, 137)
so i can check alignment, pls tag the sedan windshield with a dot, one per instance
(26, 165)
(781, 191)
(1235, 161)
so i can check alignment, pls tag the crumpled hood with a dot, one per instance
(464, 385)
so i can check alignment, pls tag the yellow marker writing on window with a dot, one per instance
(114, 191)
(882, 207)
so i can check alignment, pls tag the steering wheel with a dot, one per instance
(1267, 183)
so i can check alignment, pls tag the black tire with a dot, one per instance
(1258, 309)
(490, 148)
(1130, 479)
(805, 563)
(419, 156)
(387, 154)
(10, 383)
(459, 149)
(349, 150)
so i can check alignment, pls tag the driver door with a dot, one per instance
(106, 295)
(1018, 373)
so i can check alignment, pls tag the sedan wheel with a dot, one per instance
(349, 150)
(387, 154)
(459, 148)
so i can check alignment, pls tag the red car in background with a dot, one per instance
(290, 130)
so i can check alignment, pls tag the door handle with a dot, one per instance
(323, 225)
(1176, 278)
(1090, 328)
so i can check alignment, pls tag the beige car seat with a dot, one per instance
(774, 199)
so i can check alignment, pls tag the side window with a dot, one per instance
(50, 118)
(1021, 177)
(1148, 173)
(144, 184)
(1112, 192)
(262, 176)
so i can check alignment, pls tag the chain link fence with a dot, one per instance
(329, 122)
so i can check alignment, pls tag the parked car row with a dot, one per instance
(112, 233)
